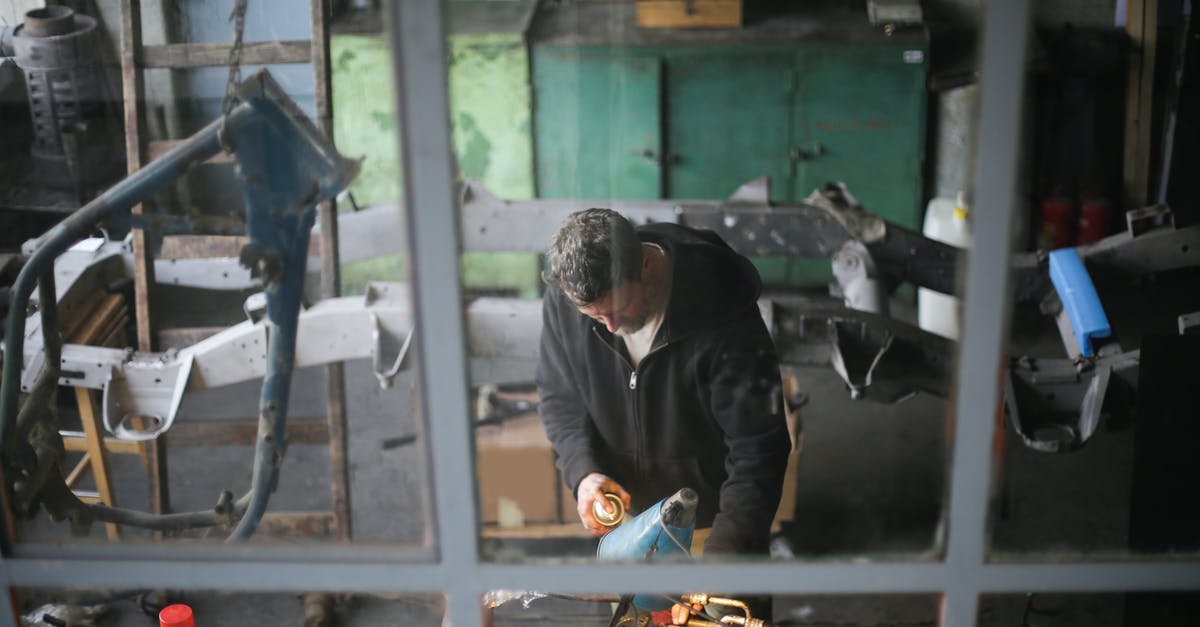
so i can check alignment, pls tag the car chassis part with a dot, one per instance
(287, 168)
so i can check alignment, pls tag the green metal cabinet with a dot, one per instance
(801, 114)
(728, 121)
(597, 130)
(860, 118)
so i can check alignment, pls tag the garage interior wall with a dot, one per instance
(429, 143)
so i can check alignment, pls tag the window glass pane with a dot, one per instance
(42, 606)
(898, 610)
(785, 378)
(1095, 452)
(159, 413)
(1102, 610)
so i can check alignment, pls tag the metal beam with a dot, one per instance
(377, 570)
(987, 308)
(418, 40)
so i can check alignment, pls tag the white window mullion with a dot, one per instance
(987, 307)
(418, 33)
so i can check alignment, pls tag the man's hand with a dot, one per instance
(681, 614)
(592, 489)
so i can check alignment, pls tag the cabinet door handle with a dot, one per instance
(800, 153)
(650, 155)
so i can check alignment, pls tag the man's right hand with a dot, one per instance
(592, 489)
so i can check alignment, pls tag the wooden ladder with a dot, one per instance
(136, 57)
(102, 324)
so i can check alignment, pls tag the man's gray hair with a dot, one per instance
(592, 252)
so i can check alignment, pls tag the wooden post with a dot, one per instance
(143, 259)
(331, 280)
(1142, 26)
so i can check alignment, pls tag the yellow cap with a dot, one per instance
(960, 207)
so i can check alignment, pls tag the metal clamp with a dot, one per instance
(148, 394)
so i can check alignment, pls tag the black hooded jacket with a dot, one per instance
(703, 409)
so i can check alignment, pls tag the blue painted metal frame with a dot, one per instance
(288, 168)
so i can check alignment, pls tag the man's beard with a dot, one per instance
(633, 326)
(650, 297)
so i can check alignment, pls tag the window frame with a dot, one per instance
(451, 564)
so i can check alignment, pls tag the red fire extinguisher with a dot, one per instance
(1093, 218)
(1056, 221)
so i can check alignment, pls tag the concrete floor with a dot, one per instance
(871, 485)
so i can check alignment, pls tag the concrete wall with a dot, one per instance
(364, 114)
(490, 117)
(490, 102)
(489, 112)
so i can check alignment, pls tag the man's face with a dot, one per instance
(624, 309)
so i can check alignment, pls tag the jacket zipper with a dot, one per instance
(633, 376)
(637, 414)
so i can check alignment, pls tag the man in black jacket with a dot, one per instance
(656, 373)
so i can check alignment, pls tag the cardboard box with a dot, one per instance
(787, 500)
(518, 483)
(567, 512)
(689, 13)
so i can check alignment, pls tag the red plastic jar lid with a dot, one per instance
(178, 615)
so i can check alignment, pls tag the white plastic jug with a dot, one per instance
(945, 221)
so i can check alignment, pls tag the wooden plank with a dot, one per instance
(244, 432)
(184, 336)
(689, 13)
(143, 279)
(73, 318)
(1142, 27)
(195, 55)
(319, 55)
(202, 246)
(210, 246)
(94, 437)
(330, 278)
(297, 524)
(158, 148)
(112, 445)
(80, 469)
(131, 95)
(131, 80)
(99, 320)
(113, 335)
(566, 530)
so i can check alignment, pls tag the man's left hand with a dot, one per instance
(681, 614)
(592, 490)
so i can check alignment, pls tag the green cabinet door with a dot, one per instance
(860, 118)
(728, 121)
(597, 123)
